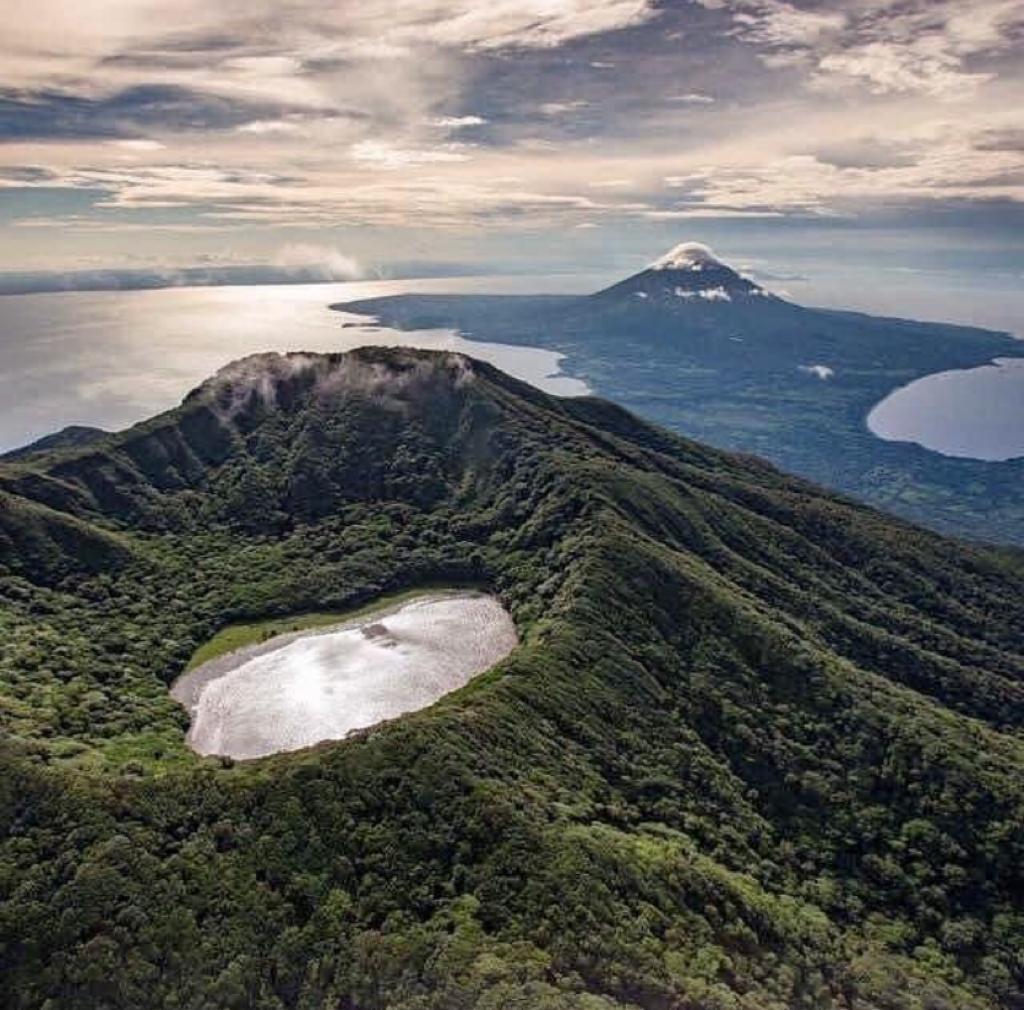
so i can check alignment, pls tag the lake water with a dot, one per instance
(112, 358)
(976, 412)
(115, 357)
(300, 689)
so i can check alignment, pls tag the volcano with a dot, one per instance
(759, 746)
(689, 275)
(691, 343)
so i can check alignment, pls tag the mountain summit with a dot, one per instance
(694, 256)
(759, 747)
(689, 275)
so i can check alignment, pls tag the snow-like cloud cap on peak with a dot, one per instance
(687, 256)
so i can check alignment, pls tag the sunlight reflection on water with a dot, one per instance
(321, 685)
(112, 358)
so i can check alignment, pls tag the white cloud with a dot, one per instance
(389, 156)
(137, 145)
(348, 99)
(276, 33)
(692, 98)
(523, 23)
(918, 46)
(457, 122)
(261, 127)
(947, 166)
(698, 213)
(332, 264)
(560, 108)
(776, 23)
(444, 195)
(925, 65)
(78, 223)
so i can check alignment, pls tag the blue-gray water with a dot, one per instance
(112, 358)
(974, 412)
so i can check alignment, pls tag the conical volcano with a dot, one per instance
(688, 274)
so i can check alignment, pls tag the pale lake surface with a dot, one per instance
(975, 412)
(299, 689)
(112, 358)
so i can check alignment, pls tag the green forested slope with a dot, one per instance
(760, 747)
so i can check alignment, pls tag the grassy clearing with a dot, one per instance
(148, 753)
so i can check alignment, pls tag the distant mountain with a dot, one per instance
(688, 276)
(333, 270)
(759, 747)
(691, 343)
(142, 279)
(67, 438)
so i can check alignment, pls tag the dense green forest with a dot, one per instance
(759, 749)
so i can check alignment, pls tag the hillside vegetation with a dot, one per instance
(760, 748)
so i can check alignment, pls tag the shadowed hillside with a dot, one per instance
(759, 748)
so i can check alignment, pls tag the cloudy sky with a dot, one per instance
(511, 132)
